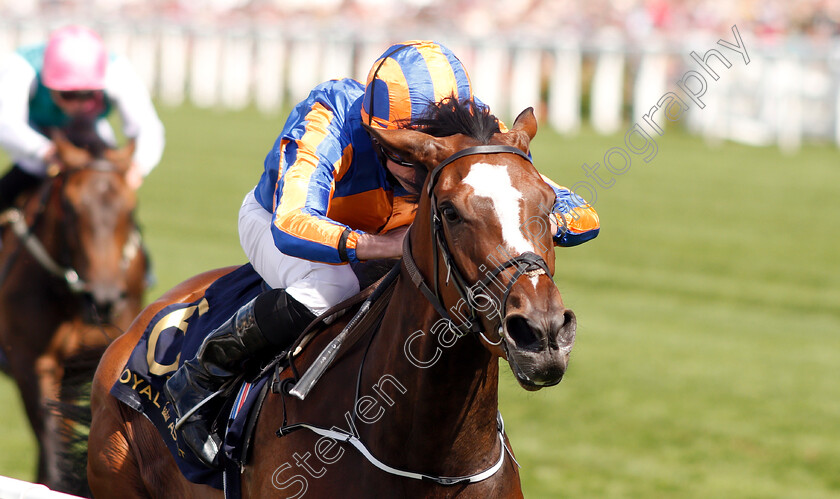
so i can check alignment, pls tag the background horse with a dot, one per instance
(419, 392)
(71, 280)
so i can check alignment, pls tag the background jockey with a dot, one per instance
(70, 76)
(328, 195)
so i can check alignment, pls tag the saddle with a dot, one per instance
(174, 335)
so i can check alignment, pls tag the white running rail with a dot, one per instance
(18, 489)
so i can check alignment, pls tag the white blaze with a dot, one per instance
(493, 182)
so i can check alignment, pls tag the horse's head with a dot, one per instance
(481, 242)
(100, 237)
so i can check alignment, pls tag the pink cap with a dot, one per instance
(75, 59)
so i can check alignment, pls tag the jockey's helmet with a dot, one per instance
(409, 76)
(75, 59)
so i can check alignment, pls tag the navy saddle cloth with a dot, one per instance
(174, 336)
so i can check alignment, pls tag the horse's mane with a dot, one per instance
(451, 116)
(81, 132)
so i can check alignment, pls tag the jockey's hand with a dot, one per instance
(374, 246)
(50, 159)
(49, 155)
(133, 176)
(62, 153)
(555, 219)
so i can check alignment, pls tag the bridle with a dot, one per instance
(26, 234)
(133, 242)
(527, 263)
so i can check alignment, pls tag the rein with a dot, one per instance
(25, 233)
(15, 219)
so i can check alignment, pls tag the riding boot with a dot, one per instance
(13, 183)
(266, 325)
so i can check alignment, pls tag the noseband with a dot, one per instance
(527, 263)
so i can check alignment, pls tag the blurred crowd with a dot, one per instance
(769, 20)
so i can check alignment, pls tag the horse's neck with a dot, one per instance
(445, 397)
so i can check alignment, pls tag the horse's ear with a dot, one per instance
(121, 158)
(60, 140)
(69, 155)
(524, 129)
(413, 146)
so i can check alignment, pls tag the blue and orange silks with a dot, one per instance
(579, 222)
(323, 181)
(322, 176)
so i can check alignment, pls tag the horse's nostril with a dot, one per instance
(521, 333)
(104, 310)
(568, 318)
(101, 301)
(566, 331)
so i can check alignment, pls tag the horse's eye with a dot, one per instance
(450, 213)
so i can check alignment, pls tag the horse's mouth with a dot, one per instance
(535, 361)
(536, 380)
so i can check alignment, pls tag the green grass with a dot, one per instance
(706, 362)
(708, 355)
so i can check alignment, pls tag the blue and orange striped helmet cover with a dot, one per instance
(409, 76)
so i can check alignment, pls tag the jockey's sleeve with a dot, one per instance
(137, 113)
(577, 221)
(23, 143)
(312, 155)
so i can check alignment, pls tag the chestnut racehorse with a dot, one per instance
(410, 409)
(71, 280)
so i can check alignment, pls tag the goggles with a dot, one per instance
(76, 95)
(390, 156)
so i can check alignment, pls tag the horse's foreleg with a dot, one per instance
(127, 459)
(48, 373)
(30, 393)
(112, 469)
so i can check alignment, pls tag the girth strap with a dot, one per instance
(353, 440)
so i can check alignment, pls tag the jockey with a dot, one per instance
(328, 196)
(70, 76)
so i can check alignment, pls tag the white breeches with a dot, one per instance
(317, 285)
